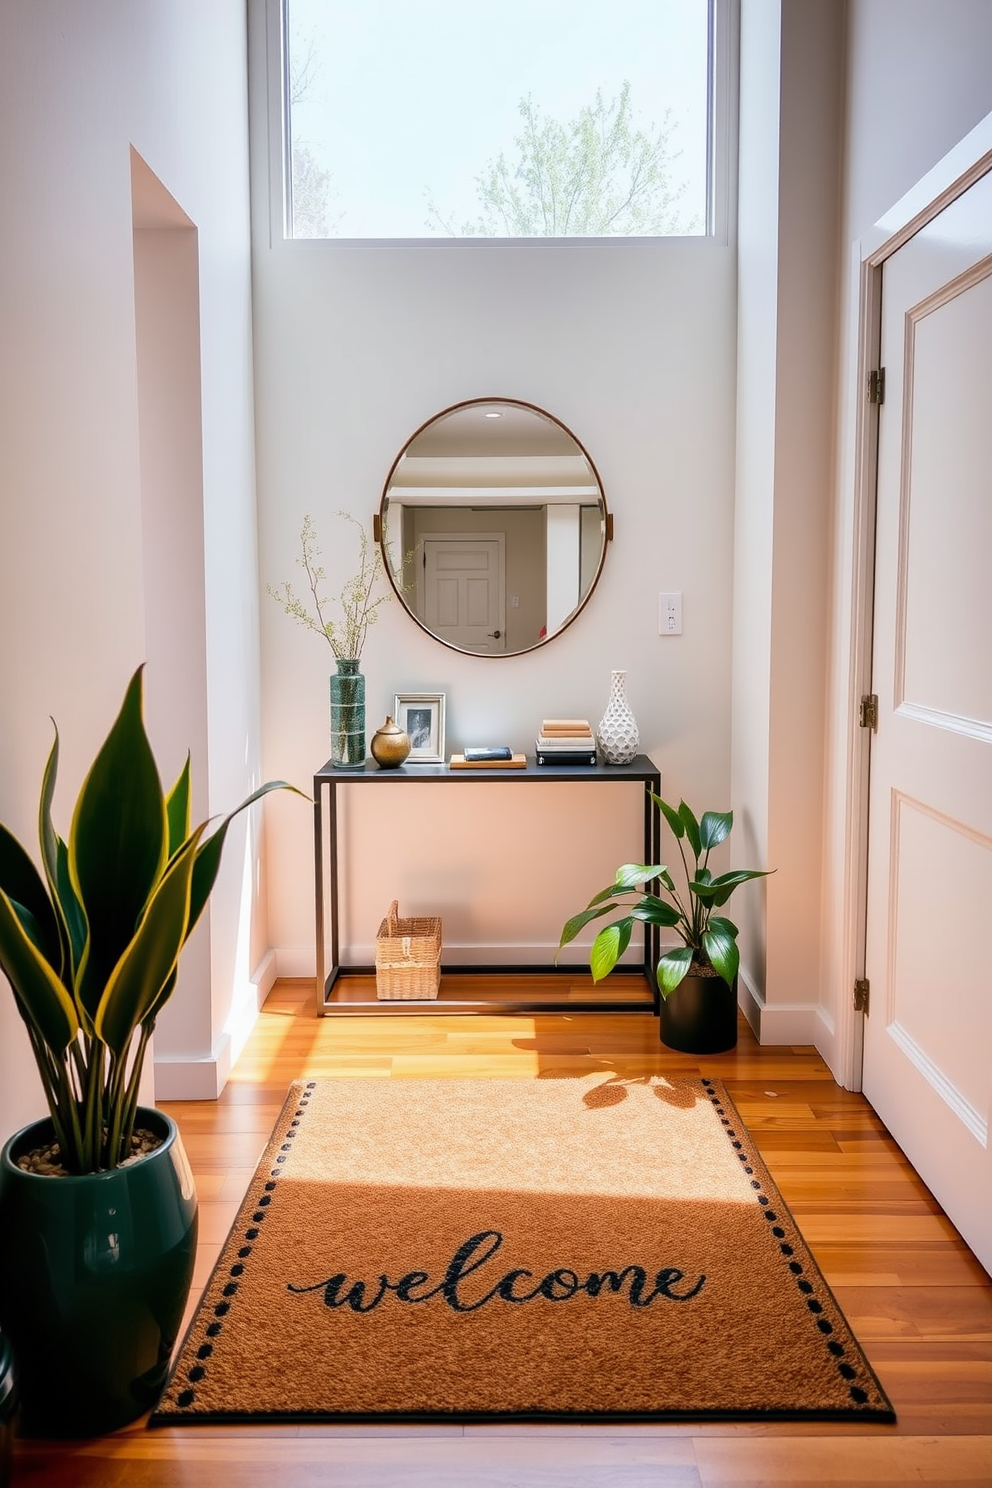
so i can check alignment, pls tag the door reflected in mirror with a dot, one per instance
(493, 526)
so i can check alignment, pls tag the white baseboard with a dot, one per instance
(204, 1078)
(778, 1023)
(193, 1079)
(265, 976)
(829, 1046)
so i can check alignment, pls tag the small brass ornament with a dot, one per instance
(390, 746)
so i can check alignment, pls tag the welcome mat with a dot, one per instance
(532, 1249)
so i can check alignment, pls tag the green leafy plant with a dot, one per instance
(709, 940)
(358, 601)
(91, 949)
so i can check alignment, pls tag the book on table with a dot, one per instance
(569, 755)
(482, 759)
(566, 725)
(566, 741)
(573, 735)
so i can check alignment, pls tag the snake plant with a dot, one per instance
(708, 940)
(91, 948)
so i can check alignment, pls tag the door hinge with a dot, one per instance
(869, 711)
(862, 989)
(876, 386)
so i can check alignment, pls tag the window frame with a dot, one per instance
(721, 151)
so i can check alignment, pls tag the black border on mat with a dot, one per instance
(826, 1315)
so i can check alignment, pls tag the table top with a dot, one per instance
(640, 768)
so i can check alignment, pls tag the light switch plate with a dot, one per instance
(670, 613)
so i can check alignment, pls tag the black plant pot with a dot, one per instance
(700, 1016)
(8, 1405)
(94, 1276)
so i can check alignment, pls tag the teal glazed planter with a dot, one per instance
(95, 1272)
(700, 1016)
(8, 1407)
(347, 717)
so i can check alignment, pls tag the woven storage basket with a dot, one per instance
(407, 956)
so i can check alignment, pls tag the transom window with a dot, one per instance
(455, 119)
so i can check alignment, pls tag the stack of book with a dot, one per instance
(565, 741)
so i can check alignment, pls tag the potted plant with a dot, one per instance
(698, 979)
(359, 603)
(97, 1206)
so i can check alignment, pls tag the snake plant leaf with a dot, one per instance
(177, 810)
(29, 925)
(137, 980)
(723, 953)
(42, 1000)
(671, 816)
(208, 856)
(579, 921)
(672, 967)
(608, 947)
(70, 909)
(691, 828)
(168, 988)
(71, 921)
(714, 828)
(117, 844)
(655, 911)
(22, 883)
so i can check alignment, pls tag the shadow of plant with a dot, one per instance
(613, 1090)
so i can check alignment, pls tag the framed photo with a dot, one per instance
(421, 716)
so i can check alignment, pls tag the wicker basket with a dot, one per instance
(407, 957)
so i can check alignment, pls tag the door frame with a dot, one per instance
(849, 744)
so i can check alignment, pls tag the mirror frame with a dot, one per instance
(379, 525)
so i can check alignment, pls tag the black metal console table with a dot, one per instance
(326, 783)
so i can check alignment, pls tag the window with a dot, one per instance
(454, 119)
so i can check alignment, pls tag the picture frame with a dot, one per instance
(421, 716)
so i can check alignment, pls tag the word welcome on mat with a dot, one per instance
(549, 1249)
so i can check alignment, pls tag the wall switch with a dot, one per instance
(670, 613)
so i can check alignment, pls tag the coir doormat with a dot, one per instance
(532, 1249)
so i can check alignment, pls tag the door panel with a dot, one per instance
(947, 515)
(928, 1035)
(463, 600)
(941, 875)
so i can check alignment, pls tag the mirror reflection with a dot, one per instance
(493, 526)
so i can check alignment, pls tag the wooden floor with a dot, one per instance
(916, 1297)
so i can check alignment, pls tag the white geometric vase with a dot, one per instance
(617, 734)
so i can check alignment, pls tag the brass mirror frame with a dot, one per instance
(379, 524)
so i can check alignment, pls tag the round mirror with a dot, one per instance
(493, 526)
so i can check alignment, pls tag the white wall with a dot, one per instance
(79, 85)
(791, 81)
(632, 347)
(918, 78)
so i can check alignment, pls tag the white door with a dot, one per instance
(464, 601)
(928, 1034)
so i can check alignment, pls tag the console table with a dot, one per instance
(331, 973)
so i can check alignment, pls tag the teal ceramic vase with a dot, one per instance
(8, 1406)
(95, 1272)
(348, 717)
